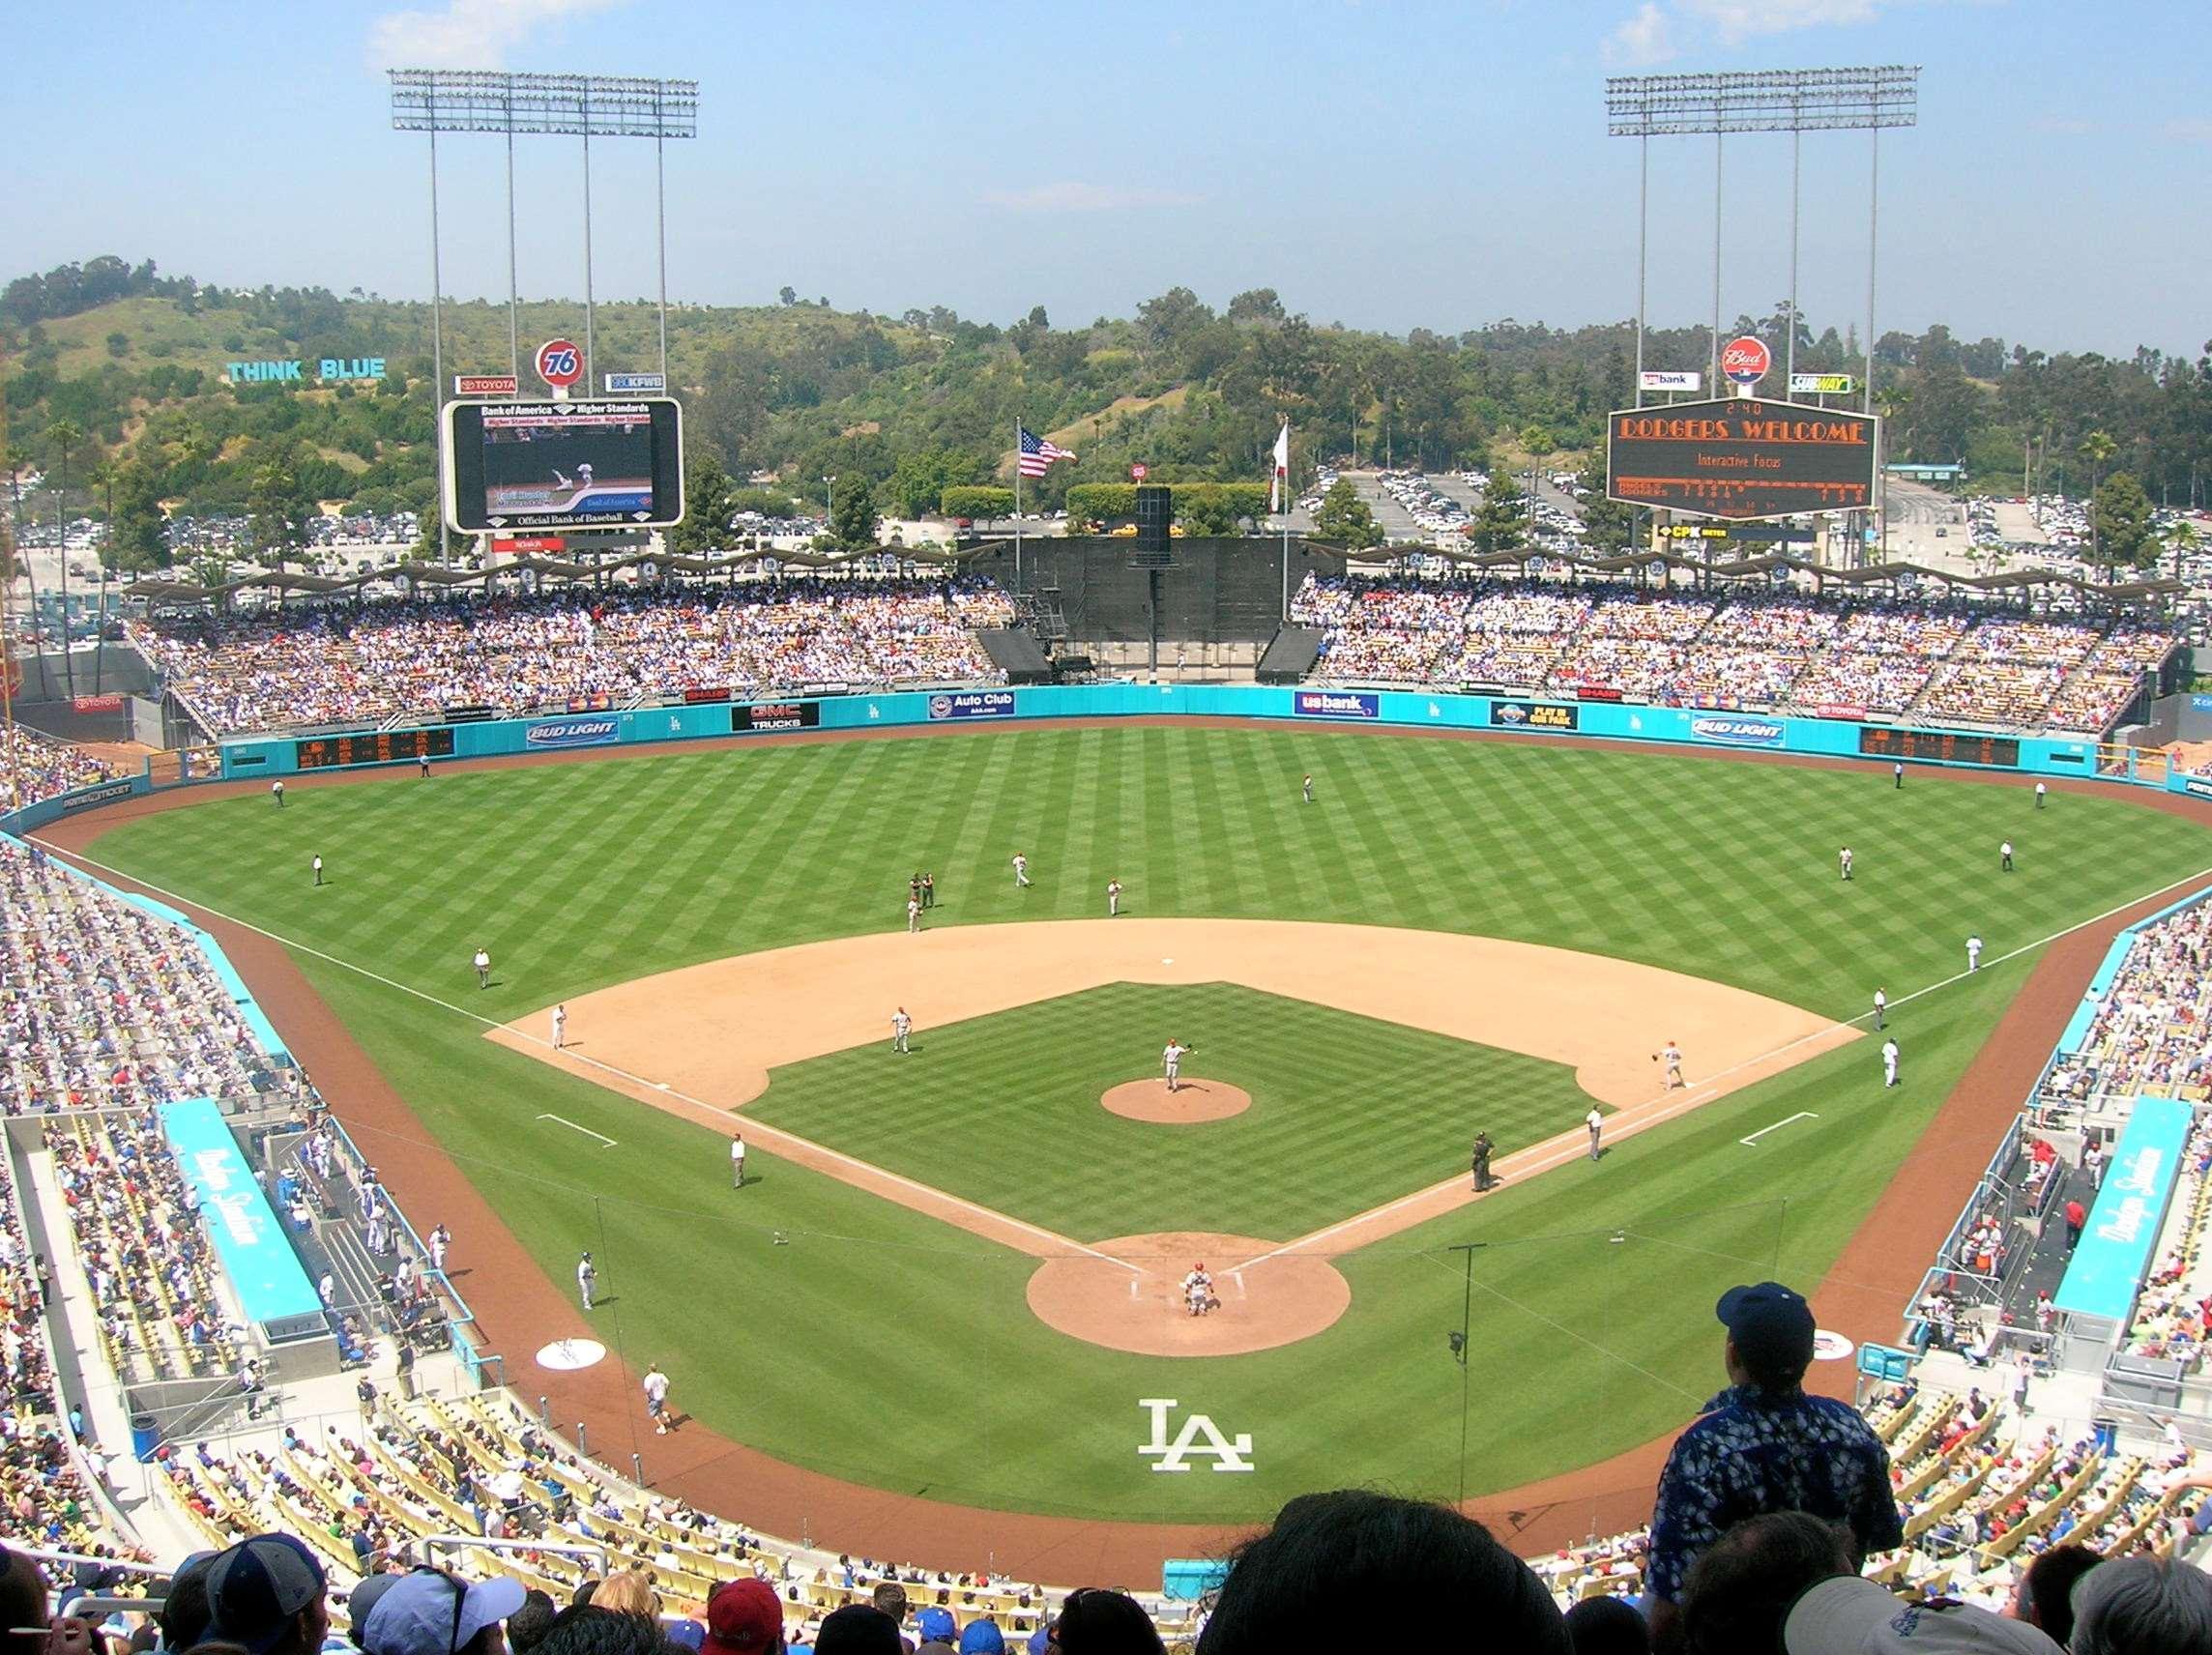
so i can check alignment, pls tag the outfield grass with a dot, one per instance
(907, 1357)
(1347, 1110)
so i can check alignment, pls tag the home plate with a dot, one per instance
(1167, 962)
(661, 1084)
(1831, 1347)
(565, 1356)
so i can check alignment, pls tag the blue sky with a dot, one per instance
(1383, 164)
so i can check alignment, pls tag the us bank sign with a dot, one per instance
(330, 370)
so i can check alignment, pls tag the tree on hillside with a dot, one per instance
(2098, 449)
(707, 508)
(919, 480)
(278, 512)
(2120, 525)
(1256, 305)
(853, 514)
(787, 295)
(1343, 518)
(1502, 520)
(137, 531)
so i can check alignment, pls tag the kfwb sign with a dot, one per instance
(1199, 1437)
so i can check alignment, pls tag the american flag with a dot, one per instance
(1037, 454)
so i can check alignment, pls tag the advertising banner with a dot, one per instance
(572, 733)
(2106, 1268)
(1337, 704)
(635, 384)
(1840, 709)
(97, 704)
(972, 704)
(1596, 692)
(776, 715)
(85, 798)
(1740, 459)
(698, 697)
(1821, 385)
(2198, 787)
(1660, 379)
(1534, 716)
(256, 1255)
(1736, 731)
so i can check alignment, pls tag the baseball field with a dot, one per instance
(951, 1272)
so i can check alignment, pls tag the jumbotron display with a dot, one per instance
(1739, 458)
(558, 465)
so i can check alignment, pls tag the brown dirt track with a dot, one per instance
(1190, 1103)
(518, 1308)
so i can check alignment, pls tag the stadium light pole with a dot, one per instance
(1792, 101)
(1466, 1251)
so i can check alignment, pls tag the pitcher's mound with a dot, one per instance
(1189, 1103)
(1132, 1298)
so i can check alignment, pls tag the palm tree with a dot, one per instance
(18, 462)
(65, 435)
(2097, 447)
(2183, 540)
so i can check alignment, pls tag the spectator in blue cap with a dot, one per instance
(268, 1596)
(937, 1626)
(364, 1599)
(431, 1612)
(982, 1638)
(1764, 1446)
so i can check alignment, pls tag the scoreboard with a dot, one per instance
(372, 747)
(1945, 746)
(1736, 458)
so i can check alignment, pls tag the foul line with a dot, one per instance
(1555, 1152)
(1801, 1115)
(763, 1133)
(604, 1140)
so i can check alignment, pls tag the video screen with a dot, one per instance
(579, 464)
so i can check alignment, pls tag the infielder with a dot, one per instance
(483, 963)
(1172, 1060)
(1974, 953)
(1112, 898)
(1890, 1062)
(901, 1026)
(1881, 1009)
(559, 1027)
(1021, 870)
(586, 1279)
(1596, 1124)
(1670, 1055)
(1843, 862)
(914, 913)
(736, 1160)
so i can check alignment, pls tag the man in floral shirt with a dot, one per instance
(1764, 1445)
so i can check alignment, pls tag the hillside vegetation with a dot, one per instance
(120, 372)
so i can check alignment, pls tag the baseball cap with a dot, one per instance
(857, 1629)
(688, 1633)
(431, 1613)
(364, 1598)
(1851, 1616)
(1040, 1641)
(936, 1625)
(743, 1617)
(1769, 1322)
(256, 1587)
(982, 1638)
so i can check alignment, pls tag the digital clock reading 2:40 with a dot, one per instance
(372, 747)
(1944, 746)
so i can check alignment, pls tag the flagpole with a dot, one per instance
(1286, 620)
(1017, 505)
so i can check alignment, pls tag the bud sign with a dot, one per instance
(1746, 360)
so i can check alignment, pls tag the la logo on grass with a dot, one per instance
(1229, 1454)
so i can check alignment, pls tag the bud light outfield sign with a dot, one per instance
(571, 732)
(1737, 731)
(972, 704)
(1337, 704)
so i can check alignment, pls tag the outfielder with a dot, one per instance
(736, 1160)
(1844, 862)
(1890, 1062)
(901, 1024)
(1308, 789)
(1172, 1060)
(1596, 1124)
(277, 792)
(2040, 792)
(1974, 953)
(2004, 856)
(1112, 898)
(1021, 870)
(483, 963)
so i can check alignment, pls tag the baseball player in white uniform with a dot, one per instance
(1171, 1059)
(901, 1026)
(736, 1160)
(483, 963)
(2004, 856)
(276, 794)
(914, 913)
(1881, 1009)
(1021, 870)
(1596, 1124)
(1974, 953)
(1308, 789)
(1670, 1055)
(1890, 1062)
(1112, 898)
(2040, 793)
(559, 1027)
(1844, 862)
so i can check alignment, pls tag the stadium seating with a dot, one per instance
(1745, 649)
(364, 664)
(2152, 1031)
(35, 766)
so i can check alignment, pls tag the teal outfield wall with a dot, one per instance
(973, 709)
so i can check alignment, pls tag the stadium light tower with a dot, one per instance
(1792, 101)
(584, 106)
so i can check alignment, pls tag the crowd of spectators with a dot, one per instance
(1748, 648)
(2173, 1314)
(35, 766)
(349, 663)
(2153, 1030)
